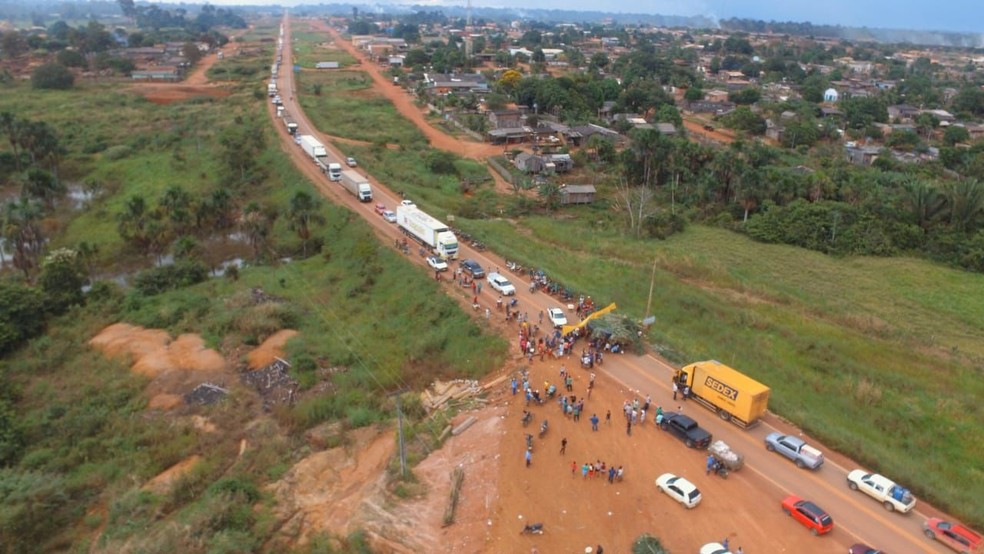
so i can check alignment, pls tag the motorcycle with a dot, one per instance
(527, 417)
(719, 469)
(532, 529)
(513, 303)
(529, 442)
(543, 428)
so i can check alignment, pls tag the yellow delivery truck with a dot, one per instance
(734, 396)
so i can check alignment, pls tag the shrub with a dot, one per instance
(160, 279)
(648, 544)
(52, 76)
(118, 152)
(70, 58)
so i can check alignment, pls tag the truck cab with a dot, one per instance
(334, 172)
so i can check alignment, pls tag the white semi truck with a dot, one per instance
(427, 231)
(313, 147)
(357, 185)
(333, 170)
(291, 125)
(272, 89)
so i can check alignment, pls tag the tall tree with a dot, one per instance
(965, 204)
(304, 211)
(923, 201)
(22, 229)
(256, 225)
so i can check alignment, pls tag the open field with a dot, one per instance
(308, 51)
(90, 442)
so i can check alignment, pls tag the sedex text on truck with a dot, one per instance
(732, 395)
(427, 231)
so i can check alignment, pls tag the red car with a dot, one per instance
(809, 514)
(954, 535)
(380, 208)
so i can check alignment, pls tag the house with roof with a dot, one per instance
(458, 83)
(505, 119)
(862, 155)
(577, 194)
(902, 112)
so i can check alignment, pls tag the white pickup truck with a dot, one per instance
(883, 489)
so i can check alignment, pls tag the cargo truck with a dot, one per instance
(357, 185)
(427, 231)
(291, 125)
(313, 147)
(734, 396)
(334, 171)
(271, 89)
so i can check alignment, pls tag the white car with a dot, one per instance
(894, 497)
(436, 263)
(679, 489)
(407, 203)
(557, 317)
(714, 548)
(501, 284)
(350, 162)
(388, 215)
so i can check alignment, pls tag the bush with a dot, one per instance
(52, 76)
(442, 163)
(21, 314)
(648, 544)
(118, 152)
(160, 279)
(70, 58)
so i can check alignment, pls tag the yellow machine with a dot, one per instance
(734, 396)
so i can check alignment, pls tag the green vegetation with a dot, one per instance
(346, 107)
(77, 442)
(309, 50)
(868, 354)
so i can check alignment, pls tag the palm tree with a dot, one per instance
(22, 229)
(923, 201)
(303, 211)
(132, 223)
(256, 226)
(175, 205)
(42, 186)
(964, 203)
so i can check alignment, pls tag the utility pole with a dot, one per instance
(399, 419)
(652, 282)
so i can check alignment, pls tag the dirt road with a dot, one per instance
(195, 84)
(579, 512)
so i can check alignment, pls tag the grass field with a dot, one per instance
(877, 357)
(88, 441)
(309, 50)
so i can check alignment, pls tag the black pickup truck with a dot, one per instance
(686, 429)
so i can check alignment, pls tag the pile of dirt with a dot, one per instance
(271, 349)
(175, 367)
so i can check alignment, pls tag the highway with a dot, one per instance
(862, 518)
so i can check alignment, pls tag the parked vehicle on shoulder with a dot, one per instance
(954, 535)
(714, 548)
(350, 162)
(557, 317)
(811, 516)
(472, 268)
(685, 429)
(501, 284)
(795, 449)
(436, 263)
(882, 489)
(863, 549)
(679, 489)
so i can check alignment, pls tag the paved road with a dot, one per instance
(854, 513)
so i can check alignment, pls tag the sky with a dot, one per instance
(939, 15)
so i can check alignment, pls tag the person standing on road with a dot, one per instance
(573, 468)
(594, 422)
(563, 445)
(710, 464)
(686, 393)
(515, 385)
(608, 417)
(628, 427)
(675, 390)
(529, 457)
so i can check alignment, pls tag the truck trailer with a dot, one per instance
(313, 147)
(291, 125)
(357, 185)
(427, 231)
(272, 89)
(732, 395)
